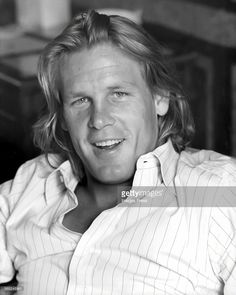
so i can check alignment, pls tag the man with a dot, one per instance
(117, 121)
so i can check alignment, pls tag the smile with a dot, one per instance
(108, 144)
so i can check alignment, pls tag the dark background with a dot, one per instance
(200, 35)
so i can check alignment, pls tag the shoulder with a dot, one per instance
(30, 173)
(207, 167)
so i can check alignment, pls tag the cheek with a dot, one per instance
(75, 125)
(147, 117)
(148, 127)
(140, 117)
(74, 121)
(150, 130)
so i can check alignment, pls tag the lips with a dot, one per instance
(108, 144)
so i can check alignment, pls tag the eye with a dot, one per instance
(120, 94)
(81, 101)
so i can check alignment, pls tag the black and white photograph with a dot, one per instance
(118, 147)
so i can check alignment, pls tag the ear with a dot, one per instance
(161, 104)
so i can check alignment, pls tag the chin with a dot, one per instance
(114, 176)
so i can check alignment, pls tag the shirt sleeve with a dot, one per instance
(229, 269)
(6, 266)
(11, 192)
(222, 234)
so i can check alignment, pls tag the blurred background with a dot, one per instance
(200, 37)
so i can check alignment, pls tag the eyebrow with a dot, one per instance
(117, 87)
(73, 95)
(122, 84)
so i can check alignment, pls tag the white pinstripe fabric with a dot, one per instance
(126, 250)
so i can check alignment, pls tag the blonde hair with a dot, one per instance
(87, 30)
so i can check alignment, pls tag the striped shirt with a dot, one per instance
(128, 249)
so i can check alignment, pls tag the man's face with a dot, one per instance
(108, 111)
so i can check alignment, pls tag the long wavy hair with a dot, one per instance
(87, 30)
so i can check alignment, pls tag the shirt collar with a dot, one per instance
(168, 159)
(61, 177)
(164, 156)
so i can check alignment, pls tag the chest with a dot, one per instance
(140, 240)
(80, 218)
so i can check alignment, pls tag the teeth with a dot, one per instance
(108, 142)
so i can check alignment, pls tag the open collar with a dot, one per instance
(60, 178)
(168, 159)
(163, 156)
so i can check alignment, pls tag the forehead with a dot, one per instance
(99, 64)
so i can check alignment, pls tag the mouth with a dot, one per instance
(108, 144)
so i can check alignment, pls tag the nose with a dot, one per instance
(100, 117)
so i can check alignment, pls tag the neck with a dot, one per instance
(105, 195)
